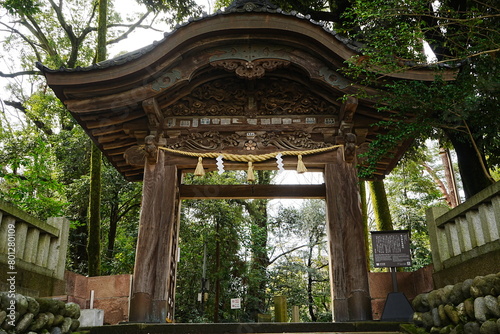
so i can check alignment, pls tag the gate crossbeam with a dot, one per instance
(256, 191)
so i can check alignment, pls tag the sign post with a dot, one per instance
(392, 249)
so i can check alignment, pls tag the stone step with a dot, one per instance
(368, 327)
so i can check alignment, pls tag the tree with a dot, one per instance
(37, 133)
(380, 206)
(411, 190)
(220, 227)
(94, 236)
(257, 274)
(300, 268)
(463, 35)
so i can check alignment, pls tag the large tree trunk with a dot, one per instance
(364, 213)
(471, 165)
(94, 237)
(380, 206)
(94, 226)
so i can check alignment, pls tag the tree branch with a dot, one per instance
(25, 38)
(286, 253)
(16, 74)
(35, 29)
(438, 182)
(130, 29)
(38, 123)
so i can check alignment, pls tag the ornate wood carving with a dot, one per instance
(250, 69)
(235, 98)
(298, 140)
(215, 141)
(350, 147)
(136, 155)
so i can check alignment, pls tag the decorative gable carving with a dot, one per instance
(234, 97)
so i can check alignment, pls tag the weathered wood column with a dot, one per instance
(348, 270)
(155, 263)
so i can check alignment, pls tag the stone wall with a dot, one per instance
(470, 307)
(24, 314)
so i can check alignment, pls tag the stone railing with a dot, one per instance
(39, 253)
(466, 238)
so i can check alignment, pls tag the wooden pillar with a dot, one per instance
(152, 297)
(348, 268)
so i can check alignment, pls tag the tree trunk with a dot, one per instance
(113, 222)
(364, 213)
(380, 205)
(217, 272)
(260, 259)
(94, 237)
(470, 164)
(94, 220)
(310, 298)
(450, 177)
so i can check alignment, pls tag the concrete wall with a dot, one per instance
(465, 241)
(34, 250)
(111, 294)
(410, 283)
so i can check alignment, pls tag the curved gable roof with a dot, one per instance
(251, 47)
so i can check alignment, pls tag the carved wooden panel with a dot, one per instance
(235, 97)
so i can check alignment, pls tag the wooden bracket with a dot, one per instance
(347, 109)
(349, 147)
(137, 155)
(155, 117)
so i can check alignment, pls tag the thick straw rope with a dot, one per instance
(249, 157)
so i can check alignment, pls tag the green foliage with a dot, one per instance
(211, 224)
(44, 154)
(300, 267)
(29, 176)
(182, 8)
(29, 7)
(411, 191)
(464, 36)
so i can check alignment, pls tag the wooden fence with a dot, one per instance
(34, 250)
(465, 241)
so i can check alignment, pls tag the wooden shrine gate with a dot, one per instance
(153, 298)
(250, 81)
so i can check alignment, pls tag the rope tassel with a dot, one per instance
(301, 168)
(199, 171)
(250, 174)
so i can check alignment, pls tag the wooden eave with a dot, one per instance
(107, 99)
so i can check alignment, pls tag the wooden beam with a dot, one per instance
(151, 297)
(348, 268)
(252, 191)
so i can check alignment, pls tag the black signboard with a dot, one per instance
(391, 248)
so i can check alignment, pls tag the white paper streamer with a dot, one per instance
(220, 164)
(279, 162)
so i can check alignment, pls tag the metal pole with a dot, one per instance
(394, 279)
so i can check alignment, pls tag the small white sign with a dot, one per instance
(235, 303)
